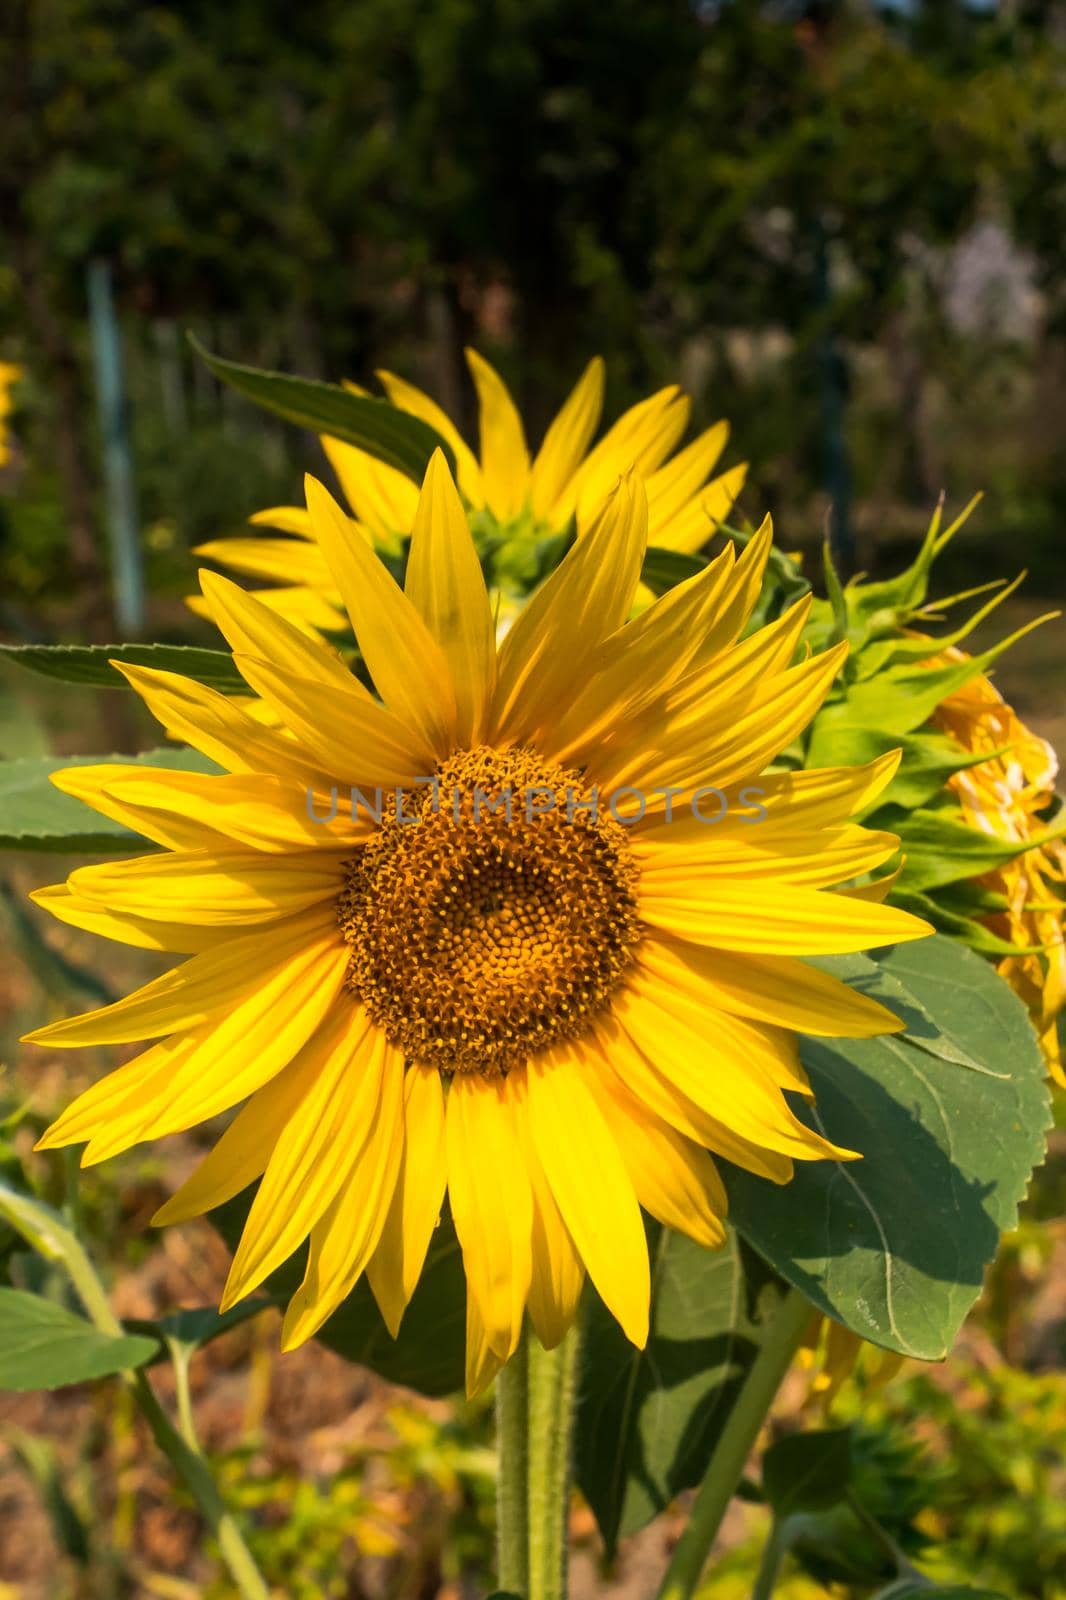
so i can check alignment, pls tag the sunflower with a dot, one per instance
(1004, 796)
(830, 1355)
(9, 376)
(514, 500)
(533, 960)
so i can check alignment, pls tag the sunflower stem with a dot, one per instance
(552, 1388)
(734, 1445)
(535, 1394)
(512, 1477)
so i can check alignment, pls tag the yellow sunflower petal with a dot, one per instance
(781, 920)
(591, 1186)
(188, 994)
(687, 628)
(346, 1235)
(201, 886)
(396, 1265)
(491, 1201)
(817, 860)
(586, 598)
(408, 398)
(721, 690)
(558, 1274)
(179, 938)
(735, 748)
(641, 438)
(292, 561)
(95, 786)
(407, 665)
(774, 989)
(446, 586)
(208, 1069)
(287, 519)
(482, 1362)
(216, 727)
(672, 488)
(565, 443)
(252, 629)
(313, 1153)
(821, 797)
(504, 455)
(758, 1049)
(653, 649)
(675, 1180)
(693, 524)
(735, 1091)
(315, 610)
(242, 1153)
(265, 813)
(356, 740)
(382, 498)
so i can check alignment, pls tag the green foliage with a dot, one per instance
(996, 1438)
(45, 1346)
(806, 1472)
(38, 816)
(942, 849)
(382, 430)
(648, 1419)
(90, 664)
(663, 569)
(895, 1246)
(41, 1461)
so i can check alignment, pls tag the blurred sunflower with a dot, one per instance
(9, 376)
(556, 1012)
(1005, 797)
(515, 501)
(830, 1354)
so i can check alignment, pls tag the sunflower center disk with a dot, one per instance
(494, 917)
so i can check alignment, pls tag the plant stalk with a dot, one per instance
(47, 1234)
(734, 1445)
(535, 1394)
(552, 1389)
(512, 1477)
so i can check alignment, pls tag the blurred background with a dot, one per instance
(842, 226)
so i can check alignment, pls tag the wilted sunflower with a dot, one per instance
(553, 1015)
(513, 498)
(1004, 797)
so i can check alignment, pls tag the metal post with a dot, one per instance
(127, 572)
(833, 383)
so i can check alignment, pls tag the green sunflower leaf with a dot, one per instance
(35, 815)
(948, 916)
(941, 849)
(895, 1245)
(807, 1471)
(928, 761)
(89, 664)
(381, 429)
(45, 1346)
(648, 1419)
(664, 569)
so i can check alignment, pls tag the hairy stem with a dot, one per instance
(535, 1395)
(512, 1478)
(552, 1388)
